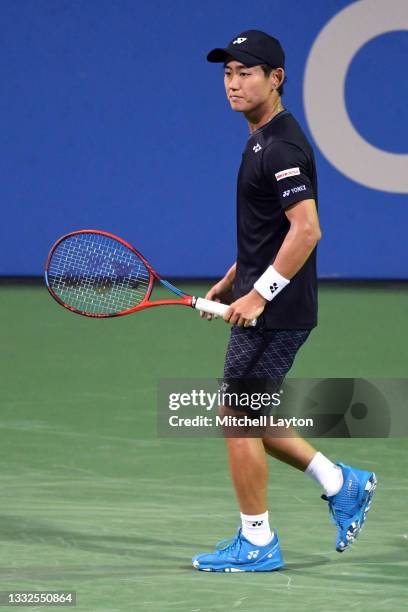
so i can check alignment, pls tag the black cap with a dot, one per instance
(252, 48)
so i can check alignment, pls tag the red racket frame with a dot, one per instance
(187, 300)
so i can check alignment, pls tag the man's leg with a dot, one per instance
(291, 449)
(255, 547)
(249, 469)
(286, 445)
(249, 472)
(348, 490)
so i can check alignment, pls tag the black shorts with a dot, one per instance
(257, 361)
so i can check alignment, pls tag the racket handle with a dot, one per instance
(211, 307)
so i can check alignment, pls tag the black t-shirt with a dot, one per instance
(277, 170)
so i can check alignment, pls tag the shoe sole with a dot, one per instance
(240, 569)
(357, 524)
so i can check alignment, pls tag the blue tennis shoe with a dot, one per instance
(349, 507)
(239, 555)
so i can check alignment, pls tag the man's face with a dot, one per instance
(246, 88)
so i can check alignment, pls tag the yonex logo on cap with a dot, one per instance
(238, 41)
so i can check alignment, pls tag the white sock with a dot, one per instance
(326, 474)
(255, 528)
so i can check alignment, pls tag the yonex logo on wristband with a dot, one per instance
(270, 283)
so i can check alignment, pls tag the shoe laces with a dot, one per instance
(229, 544)
(337, 515)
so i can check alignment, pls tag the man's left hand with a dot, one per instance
(245, 309)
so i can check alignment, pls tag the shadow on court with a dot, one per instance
(34, 532)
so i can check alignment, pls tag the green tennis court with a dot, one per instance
(93, 501)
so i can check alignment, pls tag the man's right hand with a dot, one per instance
(221, 292)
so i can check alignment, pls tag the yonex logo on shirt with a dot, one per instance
(294, 190)
(238, 41)
(256, 148)
(286, 173)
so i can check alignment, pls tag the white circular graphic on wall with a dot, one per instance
(324, 94)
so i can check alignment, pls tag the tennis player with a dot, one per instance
(274, 281)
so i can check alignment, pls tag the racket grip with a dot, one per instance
(214, 308)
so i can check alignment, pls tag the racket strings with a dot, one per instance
(97, 274)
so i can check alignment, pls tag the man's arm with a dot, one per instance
(299, 242)
(302, 237)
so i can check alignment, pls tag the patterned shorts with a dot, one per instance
(258, 360)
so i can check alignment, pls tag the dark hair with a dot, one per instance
(267, 71)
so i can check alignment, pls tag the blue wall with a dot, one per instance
(112, 119)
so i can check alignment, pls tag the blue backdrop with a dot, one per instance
(112, 119)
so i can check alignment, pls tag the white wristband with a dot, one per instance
(270, 283)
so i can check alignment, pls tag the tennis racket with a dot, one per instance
(97, 274)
